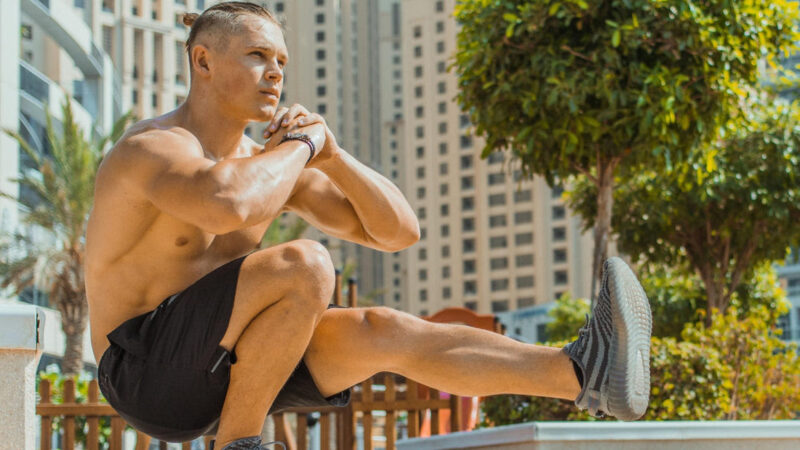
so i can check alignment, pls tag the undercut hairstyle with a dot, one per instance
(222, 20)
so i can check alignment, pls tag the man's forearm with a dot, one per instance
(274, 172)
(383, 210)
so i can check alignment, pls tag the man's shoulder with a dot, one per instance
(152, 136)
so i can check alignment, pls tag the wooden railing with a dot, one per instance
(394, 395)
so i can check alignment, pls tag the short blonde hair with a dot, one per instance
(223, 19)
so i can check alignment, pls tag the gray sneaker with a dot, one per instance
(248, 443)
(613, 348)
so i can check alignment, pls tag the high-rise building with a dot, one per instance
(491, 240)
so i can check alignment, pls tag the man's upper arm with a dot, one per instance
(172, 173)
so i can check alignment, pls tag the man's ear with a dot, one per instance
(201, 60)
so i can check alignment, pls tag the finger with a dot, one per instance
(310, 119)
(295, 111)
(276, 120)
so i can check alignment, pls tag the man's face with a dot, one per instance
(248, 79)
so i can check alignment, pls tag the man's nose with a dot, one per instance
(274, 73)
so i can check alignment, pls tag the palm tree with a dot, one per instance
(64, 188)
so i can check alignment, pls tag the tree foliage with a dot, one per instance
(587, 87)
(735, 369)
(733, 206)
(63, 184)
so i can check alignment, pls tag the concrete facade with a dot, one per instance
(492, 241)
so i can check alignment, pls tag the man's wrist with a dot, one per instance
(302, 137)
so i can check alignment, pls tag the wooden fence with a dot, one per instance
(385, 392)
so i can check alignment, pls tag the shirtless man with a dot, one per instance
(193, 329)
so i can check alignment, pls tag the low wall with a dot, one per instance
(672, 435)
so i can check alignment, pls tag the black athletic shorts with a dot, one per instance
(166, 374)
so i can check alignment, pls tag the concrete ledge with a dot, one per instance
(776, 434)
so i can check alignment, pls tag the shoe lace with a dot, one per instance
(583, 334)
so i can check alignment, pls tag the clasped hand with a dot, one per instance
(298, 119)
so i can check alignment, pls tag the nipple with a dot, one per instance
(181, 241)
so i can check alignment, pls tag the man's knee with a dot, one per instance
(314, 274)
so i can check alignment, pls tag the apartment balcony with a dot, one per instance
(38, 93)
(69, 30)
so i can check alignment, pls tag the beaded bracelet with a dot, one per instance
(300, 137)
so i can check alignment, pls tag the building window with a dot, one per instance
(466, 162)
(418, 51)
(445, 271)
(442, 108)
(420, 193)
(323, 108)
(559, 212)
(469, 266)
(446, 251)
(320, 18)
(495, 157)
(441, 87)
(278, 7)
(445, 230)
(423, 297)
(470, 288)
(467, 224)
(499, 306)
(440, 47)
(396, 282)
(499, 284)
(556, 192)
(420, 172)
(467, 183)
(420, 152)
(320, 2)
(524, 260)
(443, 189)
(421, 212)
(443, 148)
(497, 199)
(418, 71)
(523, 217)
(418, 92)
(135, 97)
(439, 6)
(420, 131)
(321, 91)
(320, 36)
(498, 242)
(523, 196)
(468, 245)
(442, 127)
(559, 255)
(419, 111)
(154, 100)
(423, 274)
(467, 204)
(444, 210)
(525, 282)
(497, 221)
(441, 67)
(523, 238)
(423, 254)
(466, 141)
(496, 178)
(498, 263)
(522, 302)
(418, 31)
(559, 234)
(447, 292)
(320, 55)
(561, 277)
(440, 27)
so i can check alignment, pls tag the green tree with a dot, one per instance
(569, 315)
(64, 188)
(733, 206)
(593, 87)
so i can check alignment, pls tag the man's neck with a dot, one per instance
(219, 135)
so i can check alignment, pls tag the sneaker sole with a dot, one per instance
(629, 374)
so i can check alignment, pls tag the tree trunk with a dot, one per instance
(714, 291)
(602, 227)
(74, 318)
